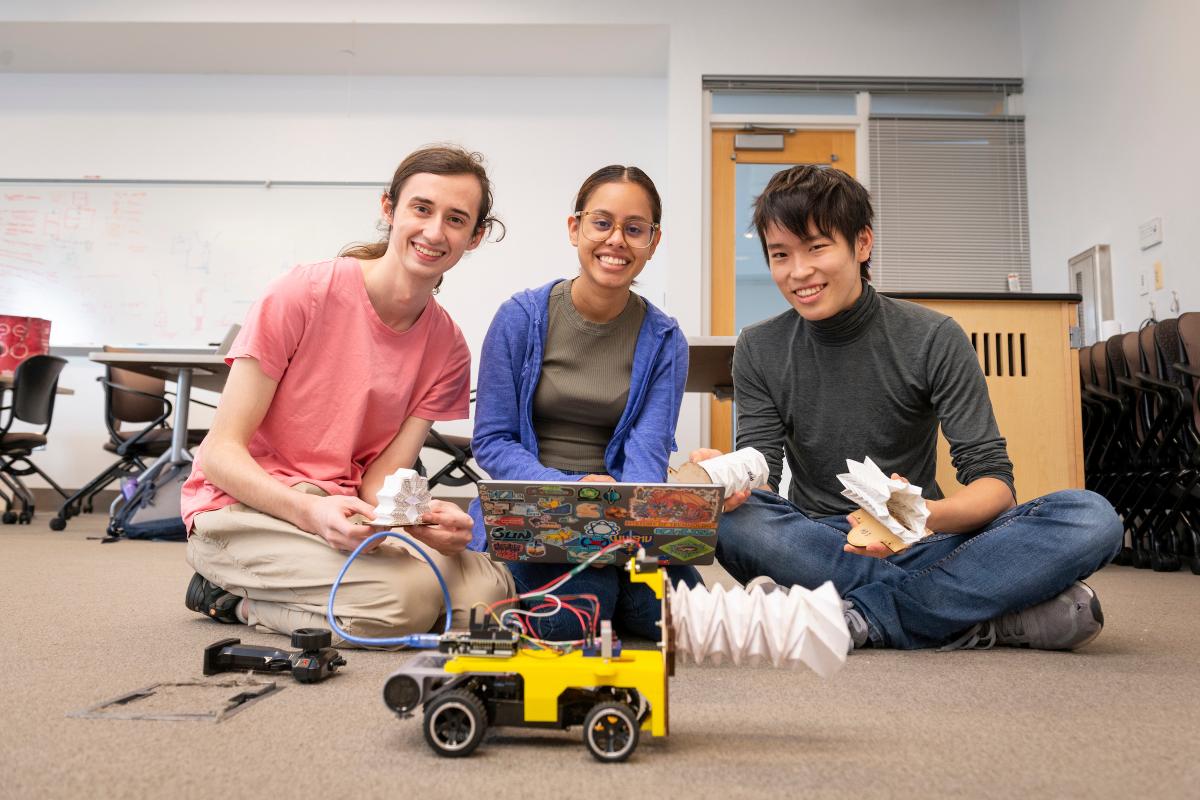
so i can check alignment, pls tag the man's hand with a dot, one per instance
(704, 454)
(875, 549)
(329, 518)
(448, 531)
(597, 479)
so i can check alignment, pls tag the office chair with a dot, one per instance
(34, 384)
(129, 399)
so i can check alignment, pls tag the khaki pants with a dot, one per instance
(287, 573)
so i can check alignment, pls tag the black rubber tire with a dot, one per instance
(311, 638)
(58, 524)
(610, 731)
(455, 722)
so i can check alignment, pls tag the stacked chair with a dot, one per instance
(1141, 431)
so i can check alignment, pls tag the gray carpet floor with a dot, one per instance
(85, 622)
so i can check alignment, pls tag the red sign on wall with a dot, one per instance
(20, 338)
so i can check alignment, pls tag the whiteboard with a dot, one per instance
(164, 264)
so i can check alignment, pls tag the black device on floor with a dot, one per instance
(315, 661)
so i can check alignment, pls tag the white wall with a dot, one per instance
(1112, 102)
(541, 137)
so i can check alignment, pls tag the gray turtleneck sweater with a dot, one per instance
(874, 380)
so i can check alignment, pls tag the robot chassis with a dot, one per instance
(483, 678)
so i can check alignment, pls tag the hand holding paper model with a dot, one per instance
(895, 505)
(735, 472)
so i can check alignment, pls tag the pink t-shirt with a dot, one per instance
(346, 380)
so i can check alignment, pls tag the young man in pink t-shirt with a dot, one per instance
(336, 377)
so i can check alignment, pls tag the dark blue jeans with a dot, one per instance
(632, 607)
(941, 585)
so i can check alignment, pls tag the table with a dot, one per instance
(185, 370)
(710, 365)
(6, 383)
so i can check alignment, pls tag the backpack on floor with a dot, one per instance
(151, 507)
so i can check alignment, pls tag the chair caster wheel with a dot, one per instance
(1125, 557)
(9, 517)
(1164, 563)
(1194, 564)
(1141, 559)
(58, 524)
(24, 518)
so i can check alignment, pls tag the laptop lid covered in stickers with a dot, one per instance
(566, 522)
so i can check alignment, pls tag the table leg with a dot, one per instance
(183, 394)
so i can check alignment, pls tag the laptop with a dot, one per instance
(567, 522)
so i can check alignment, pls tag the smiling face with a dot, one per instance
(818, 275)
(433, 223)
(612, 264)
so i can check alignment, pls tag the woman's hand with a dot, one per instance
(597, 479)
(448, 530)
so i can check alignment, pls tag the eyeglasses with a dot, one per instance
(599, 227)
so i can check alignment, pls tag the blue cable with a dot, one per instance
(423, 640)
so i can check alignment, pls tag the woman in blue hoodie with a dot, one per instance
(581, 380)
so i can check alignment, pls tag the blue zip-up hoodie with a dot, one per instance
(510, 366)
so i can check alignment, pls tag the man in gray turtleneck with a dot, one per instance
(848, 373)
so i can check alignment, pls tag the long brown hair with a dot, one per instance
(442, 159)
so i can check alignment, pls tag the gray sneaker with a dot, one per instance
(1066, 622)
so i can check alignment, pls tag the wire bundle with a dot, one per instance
(589, 615)
(783, 628)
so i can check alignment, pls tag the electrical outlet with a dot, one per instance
(1158, 276)
(1143, 282)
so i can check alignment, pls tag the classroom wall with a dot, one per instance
(71, 123)
(1112, 103)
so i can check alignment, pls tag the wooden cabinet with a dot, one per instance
(1023, 345)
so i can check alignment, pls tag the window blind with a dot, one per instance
(951, 212)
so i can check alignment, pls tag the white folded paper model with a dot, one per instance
(896, 504)
(735, 472)
(781, 628)
(402, 499)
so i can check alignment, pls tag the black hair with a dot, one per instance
(807, 197)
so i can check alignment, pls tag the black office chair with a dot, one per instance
(457, 471)
(35, 382)
(129, 399)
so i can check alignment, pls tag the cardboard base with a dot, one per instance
(867, 530)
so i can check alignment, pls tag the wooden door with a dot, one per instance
(833, 148)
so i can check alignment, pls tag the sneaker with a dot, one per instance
(860, 636)
(205, 597)
(1066, 622)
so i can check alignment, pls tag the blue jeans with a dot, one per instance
(632, 607)
(941, 585)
